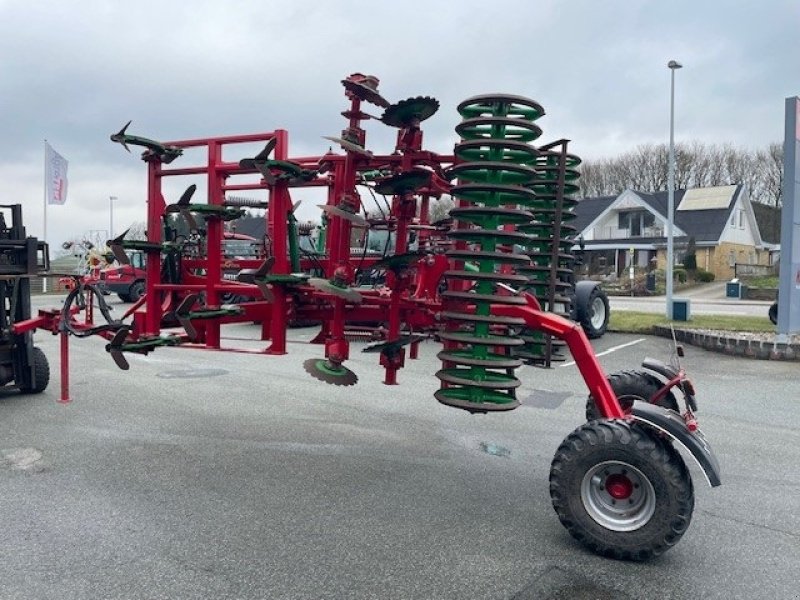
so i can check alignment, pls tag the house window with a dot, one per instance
(741, 219)
(635, 221)
(731, 259)
(733, 219)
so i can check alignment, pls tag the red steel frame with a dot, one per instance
(411, 302)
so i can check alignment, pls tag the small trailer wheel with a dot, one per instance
(621, 490)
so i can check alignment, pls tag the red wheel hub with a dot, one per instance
(619, 486)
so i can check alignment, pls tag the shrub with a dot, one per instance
(679, 274)
(703, 276)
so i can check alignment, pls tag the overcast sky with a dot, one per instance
(74, 72)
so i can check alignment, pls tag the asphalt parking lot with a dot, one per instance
(202, 474)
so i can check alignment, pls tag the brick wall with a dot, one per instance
(717, 259)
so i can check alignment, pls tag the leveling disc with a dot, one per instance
(403, 182)
(324, 370)
(365, 92)
(410, 112)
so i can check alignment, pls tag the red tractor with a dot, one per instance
(127, 279)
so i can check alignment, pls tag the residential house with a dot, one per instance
(631, 229)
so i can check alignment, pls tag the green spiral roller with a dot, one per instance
(550, 272)
(495, 176)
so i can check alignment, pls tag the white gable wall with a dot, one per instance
(740, 227)
(606, 225)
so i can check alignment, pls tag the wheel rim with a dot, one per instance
(598, 312)
(618, 496)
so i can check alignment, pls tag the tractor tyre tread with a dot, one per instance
(598, 441)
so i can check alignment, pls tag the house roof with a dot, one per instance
(704, 224)
(588, 209)
(769, 222)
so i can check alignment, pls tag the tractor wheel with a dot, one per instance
(41, 370)
(629, 386)
(773, 313)
(621, 490)
(136, 291)
(594, 316)
(125, 297)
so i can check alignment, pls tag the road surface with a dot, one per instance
(226, 475)
(704, 299)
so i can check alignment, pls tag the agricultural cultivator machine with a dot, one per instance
(493, 282)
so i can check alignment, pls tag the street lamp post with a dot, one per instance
(673, 66)
(111, 217)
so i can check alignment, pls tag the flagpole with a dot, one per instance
(44, 178)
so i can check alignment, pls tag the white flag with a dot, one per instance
(55, 176)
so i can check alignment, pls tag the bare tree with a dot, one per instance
(696, 165)
(770, 165)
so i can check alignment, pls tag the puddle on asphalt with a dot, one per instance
(495, 449)
(23, 459)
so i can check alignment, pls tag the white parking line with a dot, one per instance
(609, 351)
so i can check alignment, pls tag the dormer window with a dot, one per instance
(635, 221)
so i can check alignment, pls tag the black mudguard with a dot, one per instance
(673, 425)
(659, 367)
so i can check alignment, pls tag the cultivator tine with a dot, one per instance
(162, 152)
(186, 197)
(261, 157)
(183, 205)
(117, 250)
(119, 137)
(258, 277)
(114, 348)
(265, 171)
(343, 213)
(336, 288)
(348, 145)
(182, 314)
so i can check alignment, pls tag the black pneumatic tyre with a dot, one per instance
(594, 316)
(629, 386)
(41, 370)
(773, 313)
(136, 291)
(620, 490)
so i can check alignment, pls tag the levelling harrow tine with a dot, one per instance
(182, 314)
